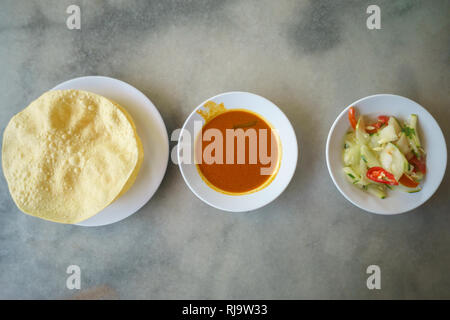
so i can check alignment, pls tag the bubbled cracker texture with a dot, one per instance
(68, 155)
(135, 172)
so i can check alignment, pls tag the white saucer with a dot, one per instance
(289, 154)
(152, 131)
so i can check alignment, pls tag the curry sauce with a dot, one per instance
(239, 152)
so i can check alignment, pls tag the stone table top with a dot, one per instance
(311, 58)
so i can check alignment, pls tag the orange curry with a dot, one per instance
(234, 171)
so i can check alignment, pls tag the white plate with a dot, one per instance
(430, 135)
(289, 152)
(151, 130)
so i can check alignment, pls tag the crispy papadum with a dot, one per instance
(69, 154)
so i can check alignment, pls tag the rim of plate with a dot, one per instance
(287, 176)
(433, 187)
(145, 192)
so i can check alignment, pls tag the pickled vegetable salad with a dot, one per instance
(384, 155)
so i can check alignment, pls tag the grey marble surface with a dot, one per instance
(312, 58)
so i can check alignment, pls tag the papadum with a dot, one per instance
(69, 154)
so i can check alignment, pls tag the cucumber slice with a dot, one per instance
(403, 144)
(394, 123)
(363, 181)
(393, 160)
(373, 142)
(390, 132)
(377, 190)
(351, 155)
(360, 132)
(410, 130)
(413, 125)
(369, 157)
(351, 175)
(350, 140)
(402, 188)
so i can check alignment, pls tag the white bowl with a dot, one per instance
(289, 152)
(430, 135)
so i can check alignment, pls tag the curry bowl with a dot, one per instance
(242, 184)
